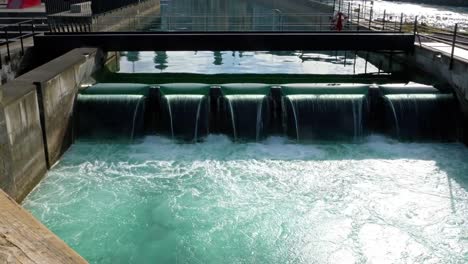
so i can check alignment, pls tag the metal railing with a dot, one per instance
(21, 30)
(276, 21)
(456, 37)
(97, 6)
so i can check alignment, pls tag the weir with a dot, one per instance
(184, 111)
(250, 112)
(245, 110)
(416, 112)
(112, 110)
(324, 112)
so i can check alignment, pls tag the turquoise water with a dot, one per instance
(272, 202)
(208, 62)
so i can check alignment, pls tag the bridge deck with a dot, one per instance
(59, 43)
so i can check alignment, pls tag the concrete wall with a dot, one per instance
(22, 156)
(437, 64)
(36, 112)
(57, 83)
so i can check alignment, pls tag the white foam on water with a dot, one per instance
(380, 201)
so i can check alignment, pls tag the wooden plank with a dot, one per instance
(23, 239)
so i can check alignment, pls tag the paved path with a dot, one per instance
(446, 49)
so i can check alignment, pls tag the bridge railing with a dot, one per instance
(13, 36)
(276, 21)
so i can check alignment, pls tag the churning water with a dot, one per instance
(158, 201)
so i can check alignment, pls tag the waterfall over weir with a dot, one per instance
(245, 110)
(185, 116)
(184, 111)
(247, 115)
(421, 116)
(419, 112)
(324, 116)
(110, 116)
(324, 112)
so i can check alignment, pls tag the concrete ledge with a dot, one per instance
(23, 239)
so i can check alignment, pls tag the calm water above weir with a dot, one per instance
(207, 62)
(272, 202)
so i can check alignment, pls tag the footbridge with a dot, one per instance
(53, 44)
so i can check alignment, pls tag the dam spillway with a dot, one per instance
(249, 111)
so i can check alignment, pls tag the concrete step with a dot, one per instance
(24, 27)
(14, 20)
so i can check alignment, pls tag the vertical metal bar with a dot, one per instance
(367, 59)
(384, 16)
(454, 43)
(401, 22)
(21, 38)
(354, 64)
(7, 44)
(370, 17)
(349, 13)
(358, 17)
(415, 29)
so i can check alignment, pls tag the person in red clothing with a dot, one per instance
(14, 4)
(339, 20)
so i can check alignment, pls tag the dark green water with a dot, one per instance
(272, 202)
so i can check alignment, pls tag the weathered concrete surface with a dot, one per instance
(23, 239)
(130, 18)
(22, 156)
(57, 83)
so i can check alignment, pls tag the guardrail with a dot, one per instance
(12, 36)
(457, 37)
(356, 20)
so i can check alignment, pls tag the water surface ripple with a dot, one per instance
(158, 201)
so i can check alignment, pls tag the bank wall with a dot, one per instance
(36, 113)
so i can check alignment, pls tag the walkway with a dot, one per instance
(446, 49)
(23, 239)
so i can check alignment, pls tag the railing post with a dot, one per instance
(401, 22)
(454, 43)
(349, 13)
(370, 17)
(8, 44)
(384, 16)
(21, 38)
(415, 30)
(358, 17)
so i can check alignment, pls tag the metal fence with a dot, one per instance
(97, 6)
(58, 6)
